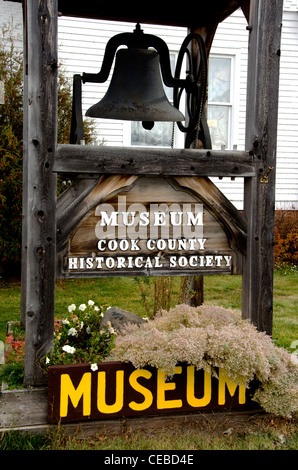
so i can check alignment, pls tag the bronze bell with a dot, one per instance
(136, 91)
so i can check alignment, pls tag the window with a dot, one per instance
(162, 133)
(220, 101)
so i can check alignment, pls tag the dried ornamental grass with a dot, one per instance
(212, 337)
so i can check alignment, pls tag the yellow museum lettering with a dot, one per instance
(224, 382)
(148, 397)
(163, 386)
(161, 392)
(67, 390)
(101, 393)
(190, 388)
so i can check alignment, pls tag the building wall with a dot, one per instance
(81, 49)
(287, 138)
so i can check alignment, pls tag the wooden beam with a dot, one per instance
(26, 411)
(196, 14)
(40, 110)
(261, 131)
(91, 159)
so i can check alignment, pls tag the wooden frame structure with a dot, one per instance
(43, 157)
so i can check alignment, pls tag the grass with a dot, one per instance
(271, 434)
(124, 293)
(265, 434)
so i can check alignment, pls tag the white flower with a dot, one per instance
(81, 325)
(96, 309)
(82, 307)
(47, 360)
(71, 307)
(90, 302)
(94, 367)
(72, 332)
(68, 349)
(65, 322)
(88, 330)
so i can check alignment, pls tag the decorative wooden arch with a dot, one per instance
(43, 157)
(73, 209)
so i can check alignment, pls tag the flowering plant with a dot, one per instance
(78, 338)
(15, 348)
(209, 337)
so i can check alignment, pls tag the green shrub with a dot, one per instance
(12, 374)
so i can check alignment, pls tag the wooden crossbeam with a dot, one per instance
(90, 159)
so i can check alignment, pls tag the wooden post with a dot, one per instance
(39, 231)
(261, 133)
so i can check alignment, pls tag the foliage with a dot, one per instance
(258, 433)
(11, 141)
(156, 293)
(212, 337)
(11, 135)
(80, 338)
(12, 374)
(286, 238)
(15, 347)
(162, 292)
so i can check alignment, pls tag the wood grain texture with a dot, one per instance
(223, 229)
(93, 159)
(27, 411)
(39, 251)
(261, 136)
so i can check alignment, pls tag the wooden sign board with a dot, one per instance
(117, 389)
(153, 227)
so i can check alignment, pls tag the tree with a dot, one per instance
(11, 135)
(11, 143)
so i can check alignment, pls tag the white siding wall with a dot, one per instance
(10, 11)
(287, 151)
(81, 49)
(231, 39)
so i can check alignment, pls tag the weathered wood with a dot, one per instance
(40, 110)
(24, 407)
(25, 174)
(91, 159)
(27, 411)
(261, 135)
(223, 229)
(179, 257)
(232, 221)
(69, 215)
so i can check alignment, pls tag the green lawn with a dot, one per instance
(124, 293)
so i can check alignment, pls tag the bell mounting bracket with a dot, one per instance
(194, 85)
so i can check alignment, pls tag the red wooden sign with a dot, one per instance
(116, 389)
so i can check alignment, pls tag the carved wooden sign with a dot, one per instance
(153, 226)
(117, 389)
